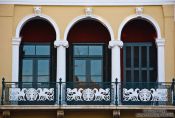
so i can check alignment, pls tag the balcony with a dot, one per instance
(82, 93)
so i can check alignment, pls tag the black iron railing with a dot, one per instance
(88, 93)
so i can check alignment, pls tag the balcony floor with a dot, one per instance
(84, 107)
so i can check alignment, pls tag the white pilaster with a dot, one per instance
(115, 46)
(15, 58)
(161, 59)
(61, 59)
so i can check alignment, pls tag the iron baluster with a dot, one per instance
(60, 82)
(3, 87)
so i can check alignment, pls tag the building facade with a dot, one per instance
(87, 59)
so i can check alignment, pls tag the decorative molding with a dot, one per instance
(115, 43)
(88, 94)
(101, 20)
(160, 42)
(116, 113)
(63, 43)
(6, 114)
(89, 2)
(37, 10)
(145, 95)
(60, 113)
(16, 41)
(31, 94)
(88, 11)
(144, 17)
(139, 10)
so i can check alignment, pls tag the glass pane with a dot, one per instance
(43, 67)
(96, 79)
(80, 50)
(79, 67)
(27, 79)
(128, 57)
(43, 78)
(96, 67)
(136, 56)
(28, 50)
(96, 50)
(78, 78)
(43, 50)
(27, 67)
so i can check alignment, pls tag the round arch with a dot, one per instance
(145, 17)
(160, 42)
(102, 21)
(27, 18)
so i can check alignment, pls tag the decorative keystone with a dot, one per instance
(88, 11)
(139, 10)
(37, 10)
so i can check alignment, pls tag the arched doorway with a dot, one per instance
(139, 53)
(88, 58)
(37, 53)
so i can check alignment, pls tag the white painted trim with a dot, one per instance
(101, 20)
(15, 58)
(161, 59)
(89, 2)
(16, 42)
(115, 71)
(29, 17)
(144, 16)
(61, 59)
(159, 41)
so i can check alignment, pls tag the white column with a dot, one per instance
(15, 58)
(115, 57)
(61, 59)
(161, 59)
(116, 69)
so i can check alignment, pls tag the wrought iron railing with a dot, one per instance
(87, 93)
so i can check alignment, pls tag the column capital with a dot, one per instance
(16, 40)
(160, 42)
(63, 43)
(114, 43)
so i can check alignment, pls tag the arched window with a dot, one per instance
(139, 53)
(88, 58)
(37, 53)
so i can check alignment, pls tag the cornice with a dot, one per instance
(89, 2)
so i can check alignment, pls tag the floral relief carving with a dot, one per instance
(88, 94)
(31, 94)
(145, 94)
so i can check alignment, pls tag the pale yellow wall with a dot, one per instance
(169, 42)
(6, 25)
(11, 15)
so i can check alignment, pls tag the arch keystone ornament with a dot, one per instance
(37, 10)
(88, 11)
(139, 10)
